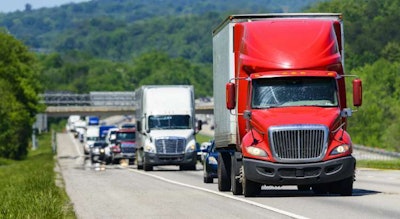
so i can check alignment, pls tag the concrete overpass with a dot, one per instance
(101, 103)
(65, 111)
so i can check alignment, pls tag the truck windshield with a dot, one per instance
(169, 122)
(125, 136)
(294, 91)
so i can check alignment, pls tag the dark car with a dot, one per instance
(210, 163)
(97, 152)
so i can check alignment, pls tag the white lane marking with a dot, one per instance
(289, 214)
(76, 144)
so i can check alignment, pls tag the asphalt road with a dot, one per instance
(116, 191)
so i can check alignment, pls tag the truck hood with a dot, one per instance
(184, 133)
(262, 119)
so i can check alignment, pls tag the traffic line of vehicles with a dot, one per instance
(101, 142)
(164, 133)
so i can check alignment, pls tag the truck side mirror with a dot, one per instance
(199, 125)
(357, 92)
(230, 96)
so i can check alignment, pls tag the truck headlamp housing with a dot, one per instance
(191, 148)
(340, 149)
(256, 151)
(149, 148)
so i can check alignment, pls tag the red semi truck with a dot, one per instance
(280, 103)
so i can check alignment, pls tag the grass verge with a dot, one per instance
(203, 138)
(28, 188)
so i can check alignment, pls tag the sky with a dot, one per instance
(13, 5)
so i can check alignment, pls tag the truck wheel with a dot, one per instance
(250, 188)
(345, 187)
(236, 176)
(139, 161)
(147, 167)
(223, 171)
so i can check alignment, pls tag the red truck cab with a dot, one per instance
(287, 98)
(125, 145)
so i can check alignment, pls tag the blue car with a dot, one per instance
(210, 163)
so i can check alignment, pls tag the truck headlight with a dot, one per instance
(149, 148)
(256, 151)
(191, 148)
(340, 149)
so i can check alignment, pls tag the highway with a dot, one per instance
(115, 191)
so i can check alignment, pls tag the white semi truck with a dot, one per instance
(166, 127)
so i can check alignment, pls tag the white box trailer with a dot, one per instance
(165, 117)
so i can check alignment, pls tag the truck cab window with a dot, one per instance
(294, 91)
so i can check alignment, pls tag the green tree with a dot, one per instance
(19, 89)
(159, 68)
(377, 121)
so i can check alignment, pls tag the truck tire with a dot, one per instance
(139, 166)
(236, 176)
(345, 187)
(250, 188)
(224, 173)
(147, 167)
(139, 160)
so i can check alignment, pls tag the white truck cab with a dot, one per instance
(166, 127)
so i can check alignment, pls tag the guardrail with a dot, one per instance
(367, 153)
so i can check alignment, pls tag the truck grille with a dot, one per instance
(298, 143)
(171, 145)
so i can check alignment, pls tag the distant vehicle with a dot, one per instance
(93, 121)
(92, 135)
(125, 146)
(79, 128)
(71, 120)
(103, 130)
(210, 163)
(97, 152)
(110, 139)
